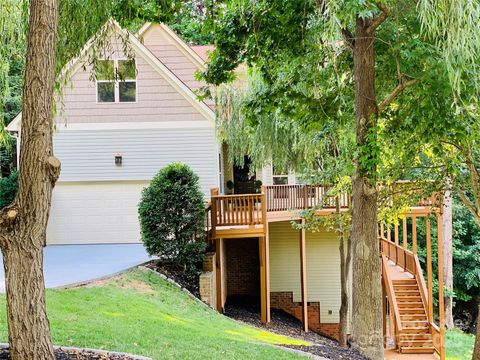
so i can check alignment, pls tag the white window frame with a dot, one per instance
(116, 81)
(274, 176)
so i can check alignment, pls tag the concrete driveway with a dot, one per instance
(71, 264)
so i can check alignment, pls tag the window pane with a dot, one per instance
(280, 180)
(127, 91)
(126, 70)
(104, 70)
(106, 92)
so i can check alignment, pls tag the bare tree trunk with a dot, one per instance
(367, 291)
(23, 224)
(447, 257)
(476, 349)
(345, 263)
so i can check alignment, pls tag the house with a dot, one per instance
(114, 133)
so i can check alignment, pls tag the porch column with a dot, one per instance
(441, 299)
(264, 278)
(303, 278)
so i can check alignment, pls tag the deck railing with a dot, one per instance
(234, 210)
(301, 197)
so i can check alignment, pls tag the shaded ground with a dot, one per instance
(248, 311)
(71, 354)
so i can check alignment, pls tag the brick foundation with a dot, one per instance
(208, 285)
(284, 301)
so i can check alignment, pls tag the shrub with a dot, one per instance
(8, 189)
(172, 217)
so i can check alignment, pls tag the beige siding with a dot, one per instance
(170, 53)
(157, 100)
(323, 267)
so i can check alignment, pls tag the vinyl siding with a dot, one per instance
(88, 155)
(323, 267)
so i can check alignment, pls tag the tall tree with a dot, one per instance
(24, 222)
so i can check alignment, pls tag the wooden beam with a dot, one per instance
(389, 235)
(404, 232)
(267, 271)
(263, 283)
(303, 278)
(429, 271)
(382, 230)
(218, 264)
(441, 299)
(414, 234)
(396, 233)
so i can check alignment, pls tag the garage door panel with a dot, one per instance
(86, 213)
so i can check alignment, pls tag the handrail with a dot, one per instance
(301, 197)
(421, 282)
(391, 294)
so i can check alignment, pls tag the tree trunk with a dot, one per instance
(367, 291)
(476, 349)
(345, 262)
(23, 224)
(447, 257)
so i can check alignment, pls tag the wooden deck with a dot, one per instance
(410, 300)
(392, 354)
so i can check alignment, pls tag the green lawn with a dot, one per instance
(459, 346)
(141, 313)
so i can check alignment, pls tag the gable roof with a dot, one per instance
(149, 57)
(183, 46)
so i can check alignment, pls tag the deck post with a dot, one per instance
(414, 234)
(404, 232)
(303, 277)
(264, 281)
(219, 261)
(429, 270)
(395, 227)
(441, 299)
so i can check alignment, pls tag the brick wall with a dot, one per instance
(208, 288)
(243, 267)
(284, 301)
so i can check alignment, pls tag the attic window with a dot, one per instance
(116, 81)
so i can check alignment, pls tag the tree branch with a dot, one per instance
(469, 205)
(383, 105)
(379, 19)
(349, 38)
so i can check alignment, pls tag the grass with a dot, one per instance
(141, 313)
(459, 345)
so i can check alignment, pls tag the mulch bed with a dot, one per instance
(285, 324)
(176, 275)
(77, 354)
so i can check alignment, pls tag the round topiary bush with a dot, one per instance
(172, 217)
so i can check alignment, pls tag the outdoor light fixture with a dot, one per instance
(118, 160)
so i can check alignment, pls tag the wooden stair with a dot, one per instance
(415, 336)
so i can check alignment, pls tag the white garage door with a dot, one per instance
(95, 212)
